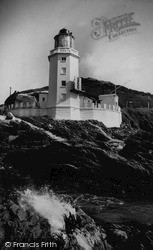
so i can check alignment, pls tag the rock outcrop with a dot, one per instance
(73, 158)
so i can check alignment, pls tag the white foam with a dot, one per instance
(49, 207)
(82, 241)
(2, 117)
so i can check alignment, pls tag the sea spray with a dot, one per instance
(59, 213)
(49, 206)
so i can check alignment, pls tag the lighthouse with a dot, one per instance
(63, 70)
(66, 97)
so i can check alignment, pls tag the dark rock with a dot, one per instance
(21, 215)
(9, 116)
(83, 157)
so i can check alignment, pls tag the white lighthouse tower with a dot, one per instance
(64, 69)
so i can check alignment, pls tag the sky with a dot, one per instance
(28, 27)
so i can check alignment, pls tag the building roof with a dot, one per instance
(108, 95)
(64, 31)
(83, 93)
(43, 92)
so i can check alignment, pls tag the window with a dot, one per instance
(63, 97)
(63, 83)
(43, 99)
(63, 59)
(63, 71)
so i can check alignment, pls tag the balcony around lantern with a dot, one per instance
(64, 50)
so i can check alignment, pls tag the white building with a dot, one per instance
(65, 98)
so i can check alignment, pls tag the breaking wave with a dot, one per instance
(49, 206)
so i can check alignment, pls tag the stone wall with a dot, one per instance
(26, 112)
(66, 113)
(59, 112)
(109, 117)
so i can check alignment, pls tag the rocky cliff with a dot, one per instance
(101, 181)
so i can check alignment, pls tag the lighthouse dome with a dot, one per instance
(64, 39)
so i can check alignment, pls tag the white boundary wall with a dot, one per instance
(26, 112)
(111, 118)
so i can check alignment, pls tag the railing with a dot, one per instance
(101, 106)
(27, 105)
(88, 105)
(23, 105)
(64, 50)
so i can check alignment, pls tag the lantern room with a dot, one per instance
(64, 39)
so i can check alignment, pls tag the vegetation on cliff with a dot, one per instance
(103, 178)
(128, 98)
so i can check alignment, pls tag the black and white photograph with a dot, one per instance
(76, 124)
